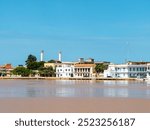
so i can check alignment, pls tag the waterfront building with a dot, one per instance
(84, 70)
(53, 65)
(148, 71)
(129, 70)
(5, 70)
(64, 71)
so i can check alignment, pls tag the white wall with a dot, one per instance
(65, 71)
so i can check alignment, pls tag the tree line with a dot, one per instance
(33, 67)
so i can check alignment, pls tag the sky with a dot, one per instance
(106, 30)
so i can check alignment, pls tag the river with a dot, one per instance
(75, 89)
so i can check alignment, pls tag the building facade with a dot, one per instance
(64, 71)
(84, 70)
(128, 70)
(5, 70)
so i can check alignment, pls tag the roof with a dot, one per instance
(84, 65)
(7, 66)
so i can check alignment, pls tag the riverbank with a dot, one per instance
(56, 78)
(74, 105)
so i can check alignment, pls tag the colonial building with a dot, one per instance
(84, 70)
(64, 71)
(129, 70)
(54, 65)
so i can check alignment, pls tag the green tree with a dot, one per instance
(31, 58)
(54, 61)
(40, 64)
(32, 65)
(24, 72)
(100, 68)
(35, 65)
(47, 72)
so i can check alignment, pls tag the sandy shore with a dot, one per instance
(74, 105)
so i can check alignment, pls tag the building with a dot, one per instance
(5, 70)
(129, 70)
(148, 71)
(84, 70)
(64, 71)
(54, 65)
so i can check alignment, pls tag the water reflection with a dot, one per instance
(44, 88)
(111, 92)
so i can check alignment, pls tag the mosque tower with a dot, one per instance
(60, 56)
(42, 56)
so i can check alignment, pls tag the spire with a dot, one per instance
(42, 56)
(60, 56)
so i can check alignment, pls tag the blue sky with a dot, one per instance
(106, 30)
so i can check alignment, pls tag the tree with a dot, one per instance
(40, 64)
(32, 65)
(35, 65)
(54, 61)
(51, 61)
(31, 58)
(47, 72)
(100, 68)
(24, 72)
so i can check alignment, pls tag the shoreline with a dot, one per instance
(55, 78)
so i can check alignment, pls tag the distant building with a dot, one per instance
(84, 70)
(88, 61)
(148, 70)
(64, 71)
(54, 65)
(129, 70)
(5, 70)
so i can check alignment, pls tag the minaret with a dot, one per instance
(60, 56)
(42, 55)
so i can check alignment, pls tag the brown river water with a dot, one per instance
(70, 88)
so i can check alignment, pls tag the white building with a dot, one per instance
(148, 71)
(128, 70)
(64, 71)
(84, 70)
